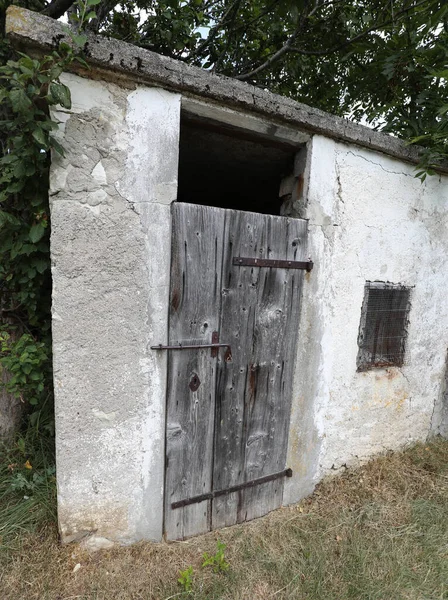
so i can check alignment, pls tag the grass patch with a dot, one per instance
(27, 489)
(376, 533)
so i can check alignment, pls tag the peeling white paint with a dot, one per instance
(107, 417)
(109, 304)
(369, 219)
(99, 174)
(88, 95)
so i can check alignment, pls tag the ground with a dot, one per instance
(376, 533)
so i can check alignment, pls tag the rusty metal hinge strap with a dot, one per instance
(214, 346)
(188, 346)
(230, 490)
(240, 261)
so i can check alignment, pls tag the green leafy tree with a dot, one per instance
(28, 88)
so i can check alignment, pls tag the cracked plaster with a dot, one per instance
(369, 219)
(109, 216)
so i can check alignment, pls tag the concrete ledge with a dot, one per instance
(117, 60)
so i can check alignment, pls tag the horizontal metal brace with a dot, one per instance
(231, 490)
(189, 346)
(240, 261)
(215, 345)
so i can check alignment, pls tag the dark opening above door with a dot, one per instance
(220, 167)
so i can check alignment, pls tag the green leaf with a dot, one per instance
(27, 61)
(80, 40)
(7, 218)
(93, 2)
(30, 169)
(36, 232)
(8, 159)
(81, 61)
(57, 146)
(19, 100)
(40, 137)
(15, 187)
(27, 249)
(41, 265)
(26, 71)
(60, 94)
(21, 445)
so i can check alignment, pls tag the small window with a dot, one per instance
(383, 330)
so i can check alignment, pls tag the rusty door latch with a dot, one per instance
(214, 346)
(241, 261)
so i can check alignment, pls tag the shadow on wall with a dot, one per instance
(442, 428)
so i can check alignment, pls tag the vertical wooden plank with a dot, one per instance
(239, 298)
(260, 310)
(274, 352)
(197, 242)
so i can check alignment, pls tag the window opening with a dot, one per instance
(383, 329)
(229, 168)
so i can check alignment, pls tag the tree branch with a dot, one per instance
(214, 31)
(288, 46)
(102, 10)
(284, 49)
(57, 8)
(358, 36)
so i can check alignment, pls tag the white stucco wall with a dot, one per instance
(110, 214)
(370, 219)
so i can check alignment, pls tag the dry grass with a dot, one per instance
(376, 533)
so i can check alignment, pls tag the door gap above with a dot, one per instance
(226, 167)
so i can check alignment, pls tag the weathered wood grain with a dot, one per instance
(260, 311)
(234, 427)
(197, 242)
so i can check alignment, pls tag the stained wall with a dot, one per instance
(110, 254)
(370, 219)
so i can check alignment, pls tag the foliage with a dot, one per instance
(436, 140)
(28, 87)
(186, 579)
(384, 62)
(217, 561)
(27, 361)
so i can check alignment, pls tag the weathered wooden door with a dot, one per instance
(228, 417)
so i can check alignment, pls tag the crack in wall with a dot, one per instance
(359, 263)
(338, 178)
(130, 204)
(372, 162)
(406, 378)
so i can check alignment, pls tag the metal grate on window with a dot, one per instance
(383, 329)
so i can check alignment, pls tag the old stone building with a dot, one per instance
(248, 295)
